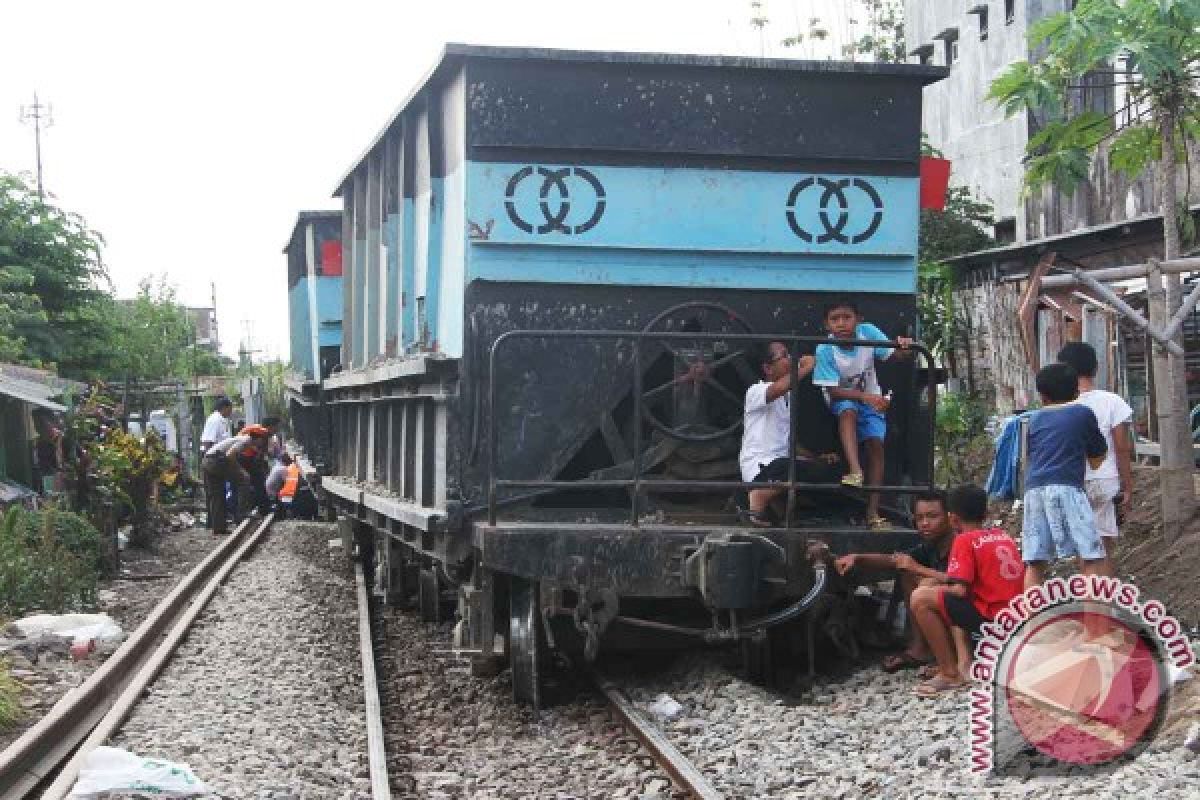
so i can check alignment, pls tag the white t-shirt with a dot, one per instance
(765, 429)
(217, 428)
(1111, 410)
(853, 367)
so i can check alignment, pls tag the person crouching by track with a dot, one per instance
(983, 575)
(282, 484)
(254, 461)
(922, 565)
(766, 425)
(220, 466)
(847, 374)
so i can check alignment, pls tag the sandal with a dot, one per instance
(853, 479)
(900, 661)
(759, 519)
(938, 685)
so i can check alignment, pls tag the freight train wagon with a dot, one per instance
(557, 265)
(314, 270)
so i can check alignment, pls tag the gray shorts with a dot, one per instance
(1059, 523)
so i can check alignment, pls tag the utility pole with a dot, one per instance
(42, 117)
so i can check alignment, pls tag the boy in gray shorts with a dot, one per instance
(1063, 439)
(1114, 478)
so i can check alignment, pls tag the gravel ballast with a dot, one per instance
(865, 735)
(264, 698)
(451, 735)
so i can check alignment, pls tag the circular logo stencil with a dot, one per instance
(1085, 686)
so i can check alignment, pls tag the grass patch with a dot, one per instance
(10, 698)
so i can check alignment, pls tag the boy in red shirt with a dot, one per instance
(984, 573)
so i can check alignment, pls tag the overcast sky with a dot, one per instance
(189, 134)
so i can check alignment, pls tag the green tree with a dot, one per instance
(884, 39)
(1157, 43)
(19, 309)
(155, 335)
(51, 256)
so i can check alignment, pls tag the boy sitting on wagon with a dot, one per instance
(847, 373)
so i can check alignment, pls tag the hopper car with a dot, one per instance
(557, 266)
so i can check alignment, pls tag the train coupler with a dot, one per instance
(729, 570)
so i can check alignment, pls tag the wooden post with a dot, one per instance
(1174, 435)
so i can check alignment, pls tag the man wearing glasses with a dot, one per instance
(767, 421)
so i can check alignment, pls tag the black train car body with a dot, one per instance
(538, 246)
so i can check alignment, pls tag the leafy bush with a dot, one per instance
(49, 560)
(964, 450)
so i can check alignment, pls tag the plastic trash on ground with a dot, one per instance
(123, 537)
(78, 627)
(110, 769)
(665, 707)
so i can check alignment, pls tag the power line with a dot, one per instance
(42, 115)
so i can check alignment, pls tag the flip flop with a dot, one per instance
(853, 479)
(896, 662)
(759, 519)
(938, 685)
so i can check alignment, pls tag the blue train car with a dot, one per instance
(314, 264)
(557, 264)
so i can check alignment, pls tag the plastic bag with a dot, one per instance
(665, 707)
(79, 627)
(110, 769)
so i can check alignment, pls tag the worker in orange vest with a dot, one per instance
(282, 483)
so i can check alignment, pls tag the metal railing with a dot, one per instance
(637, 484)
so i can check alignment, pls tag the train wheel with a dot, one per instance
(524, 642)
(429, 596)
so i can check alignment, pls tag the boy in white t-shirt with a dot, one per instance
(1113, 478)
(767, 421)
(847, 373)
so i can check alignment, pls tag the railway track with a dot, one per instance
(50, 753)
(456, 735)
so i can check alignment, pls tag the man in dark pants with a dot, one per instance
(220, 465)
(924, 564)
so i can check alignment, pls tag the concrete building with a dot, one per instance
(978, 40)
(1110, 220)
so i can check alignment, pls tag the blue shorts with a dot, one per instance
(871, 424)
(1059, 522)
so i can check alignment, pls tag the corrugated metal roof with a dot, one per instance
(29, 392)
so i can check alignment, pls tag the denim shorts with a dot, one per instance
(871, 424)
(1059, 523)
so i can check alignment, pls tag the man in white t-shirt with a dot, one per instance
(217, 427)
(1114, 478)
(766, 424)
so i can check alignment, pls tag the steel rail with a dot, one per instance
(34, 756)
(131, 694)
(376, 752)
(683, 772)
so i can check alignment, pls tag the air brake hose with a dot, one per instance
(770, 620)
